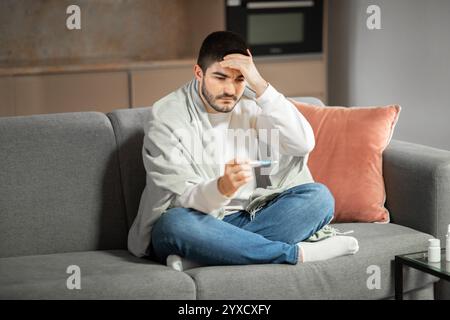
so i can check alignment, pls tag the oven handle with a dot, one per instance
(279, 4)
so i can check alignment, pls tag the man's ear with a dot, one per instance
(198, 72)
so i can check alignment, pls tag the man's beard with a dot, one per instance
(210, 100)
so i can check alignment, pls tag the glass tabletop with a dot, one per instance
(421, 258)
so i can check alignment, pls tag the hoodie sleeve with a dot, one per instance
(204, 197)
(296, 137)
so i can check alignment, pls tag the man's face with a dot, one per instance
(221, 88)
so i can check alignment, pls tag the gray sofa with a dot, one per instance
(70, 186)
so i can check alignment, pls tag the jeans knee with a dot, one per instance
(169, 225)
(327, 200)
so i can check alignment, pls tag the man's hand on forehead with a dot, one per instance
(246, 66)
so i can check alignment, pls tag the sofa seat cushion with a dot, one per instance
(114, 274)
(340, 278)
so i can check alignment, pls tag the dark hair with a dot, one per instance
(217, 45)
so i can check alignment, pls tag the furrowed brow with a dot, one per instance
(217, 73)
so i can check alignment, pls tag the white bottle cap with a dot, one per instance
(434, 242)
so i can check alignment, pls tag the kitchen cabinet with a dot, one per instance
(100, 91)
(293, 77)
(108, 87)
(150, 85)
(297, 77)
(7, 97)
(63, 92)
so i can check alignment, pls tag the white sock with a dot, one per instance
(178, 263)
(328, 248)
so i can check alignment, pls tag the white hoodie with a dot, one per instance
(272, 110)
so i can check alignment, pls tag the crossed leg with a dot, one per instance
(270, 237)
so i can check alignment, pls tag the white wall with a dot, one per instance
(406, 63)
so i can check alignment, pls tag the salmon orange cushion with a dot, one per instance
(348, 157)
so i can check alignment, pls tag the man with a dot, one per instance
(213, 207)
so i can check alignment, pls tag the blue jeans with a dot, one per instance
(270, 237)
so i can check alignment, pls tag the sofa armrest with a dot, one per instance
(417, 180)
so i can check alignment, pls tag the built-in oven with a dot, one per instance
(277, 27)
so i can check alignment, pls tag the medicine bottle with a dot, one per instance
(434, 250)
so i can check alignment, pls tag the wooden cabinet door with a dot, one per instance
(7, 108)
(150, 85)
(102, 91)
(296, 78)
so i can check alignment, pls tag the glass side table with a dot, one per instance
(419, 260)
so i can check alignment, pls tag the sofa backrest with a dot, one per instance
(59, 185)
(129, 127)
(310, 100)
